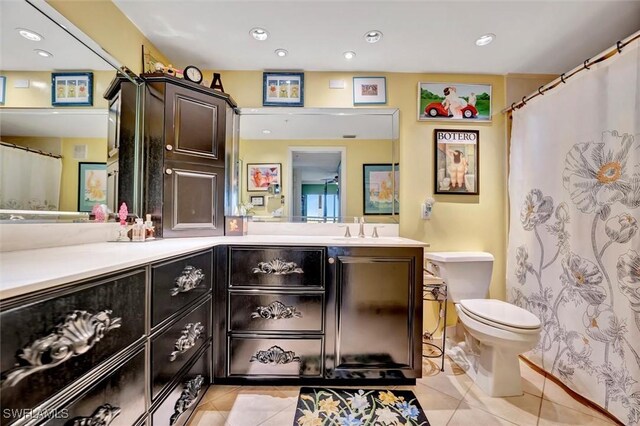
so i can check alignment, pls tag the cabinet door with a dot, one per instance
(375, 311)
(113, 126)
(194, 126)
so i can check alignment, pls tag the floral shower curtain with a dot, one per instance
(574, 245)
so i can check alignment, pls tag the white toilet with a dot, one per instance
(503, 330)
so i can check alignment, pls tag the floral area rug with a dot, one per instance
(358, 407)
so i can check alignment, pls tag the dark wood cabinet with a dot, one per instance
(374, 313)
(185, 139)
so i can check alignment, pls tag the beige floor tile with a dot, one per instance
(250, 406)
(555, 394)
(555, 414)
(453, 381)
(437, 406)
(467, 415)
(532, 381)
(522, 410)
(216, 391)
(283, 418)
(207, 415)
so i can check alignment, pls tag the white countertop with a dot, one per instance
(25, 271)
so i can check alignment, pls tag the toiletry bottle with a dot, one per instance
(138, 230)
(122, 216)
(149, 229)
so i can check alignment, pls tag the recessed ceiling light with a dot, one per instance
(43, 53)
(373, 36)
(349, 55)
(29, 35)
(281, 52)
(485, 39)
(266, 131)
(259, 34)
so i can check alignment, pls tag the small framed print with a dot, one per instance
(380, 186)
(261, 175)
(257, 200)
(283, 89)
(457, 158)
(72, 89)
(3, 89)
(453, 101)
(369, 90)
(92, 185)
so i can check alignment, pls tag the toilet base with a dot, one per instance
(498, 372)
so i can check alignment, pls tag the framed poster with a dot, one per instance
(457, 159)
(92, 185)
(453, 101)
(283, 89)
(369, 90)
(72, 89)
(380, 189)
(261, 175)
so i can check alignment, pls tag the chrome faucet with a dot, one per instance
(361, 230)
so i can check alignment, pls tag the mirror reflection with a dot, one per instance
(54, 120)
(318, 165)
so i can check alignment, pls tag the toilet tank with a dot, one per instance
(466, 273)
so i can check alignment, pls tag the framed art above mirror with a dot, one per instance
(310, 164)
(54, 117)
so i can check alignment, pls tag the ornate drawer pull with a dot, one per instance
(190, 333)
(276, 310)
(275, 355)
(102, 416)
(76, 335)
(190, 278)
(278, 267)
(188, 395)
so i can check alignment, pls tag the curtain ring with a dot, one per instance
(524, 100)
(513, 106)
(562, 78)
(586, 67)
(619, 46)
(540, 92)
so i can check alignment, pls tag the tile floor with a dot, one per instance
(448, 398)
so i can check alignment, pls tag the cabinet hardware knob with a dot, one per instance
(168, 171)
(275, 355)
(103, 415)
(276, 310)
(75, 335)
(189, 394)
(169, 147)
(190, 278)
(331, 260)
(190, 334)
(278, 267)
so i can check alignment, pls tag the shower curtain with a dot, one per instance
(574, 245)
(29, 181)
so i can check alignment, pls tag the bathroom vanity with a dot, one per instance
(137, 332)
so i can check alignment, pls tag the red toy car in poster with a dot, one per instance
(435, 109)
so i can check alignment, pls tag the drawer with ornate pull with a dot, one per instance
(268, 311)
(276, 266)
(47, 344)
(173, 348)
(178, 406)
(177, 283)
(283, 356)
(116, 400)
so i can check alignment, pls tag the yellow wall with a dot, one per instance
(358, 152)
(96, 152)
(38, 95)
(110, 28)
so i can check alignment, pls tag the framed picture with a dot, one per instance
(369, 90)
(261, 175)
(457, 158)
(283, 89)
(380, 189)
(3, 89)
(257, 200)
(453, 101)
(72, 89)
(92, 185)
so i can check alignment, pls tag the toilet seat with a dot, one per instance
(502, 315)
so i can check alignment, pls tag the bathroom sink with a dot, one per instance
(380, 240)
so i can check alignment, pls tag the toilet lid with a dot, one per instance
(499, 312)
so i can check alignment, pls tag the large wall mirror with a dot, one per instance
(54, 153)
(318, 164)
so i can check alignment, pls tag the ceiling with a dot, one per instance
(54, 123)
(316, 166)
(17, 53)
(419, 36)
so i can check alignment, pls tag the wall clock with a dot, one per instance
(193, 74)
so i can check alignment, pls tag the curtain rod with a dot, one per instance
(35, 151)
(612, 51)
